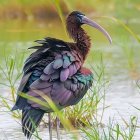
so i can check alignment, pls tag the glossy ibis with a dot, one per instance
(56, 69)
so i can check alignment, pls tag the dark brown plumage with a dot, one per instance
(79, 36)
(56, 70)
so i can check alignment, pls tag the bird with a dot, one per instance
(56, 70)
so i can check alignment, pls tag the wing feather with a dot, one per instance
(64, 93)
(55, 71)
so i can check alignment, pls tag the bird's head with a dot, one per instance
(76, 19)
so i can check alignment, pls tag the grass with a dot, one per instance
(111, 131)
(10, 73)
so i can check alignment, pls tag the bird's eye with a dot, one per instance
(79, 17)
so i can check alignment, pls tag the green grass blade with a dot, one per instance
(60, 13)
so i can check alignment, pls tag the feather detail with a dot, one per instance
(58, 63)
(45, 77)
(73, 87)
(55, 75)
(30, 120)
(72, 70)
(71, 57)
(64, 99)
(40, 84)
(67, 61)
(64, 75)
(41, 41)
(49, 69)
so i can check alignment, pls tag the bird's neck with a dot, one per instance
(82, 41)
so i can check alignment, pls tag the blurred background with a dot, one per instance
(29, 20)
(23, 21)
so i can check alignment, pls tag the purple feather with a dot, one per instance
(67, 84)
(58, 56)
(73, 87)
(57, 89)
(31, 93)
(72, 70)
(49, 69)
(58, 63)
(66, 61)
(47, 91)
(39, 84)
(60, 95)
(66, 96)
(45, 77)
(64, 75)
(55, 75)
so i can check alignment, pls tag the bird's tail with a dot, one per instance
(31, 118)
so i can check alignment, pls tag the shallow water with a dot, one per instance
(122, 69)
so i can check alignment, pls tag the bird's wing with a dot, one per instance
(44, 51)
(54, 59)
(63, 94)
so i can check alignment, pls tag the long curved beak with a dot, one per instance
(92, 23)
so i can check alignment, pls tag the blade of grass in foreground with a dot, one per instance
(60, 13)
(69, 6)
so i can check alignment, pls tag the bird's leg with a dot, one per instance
(57, 128)
(50, 126)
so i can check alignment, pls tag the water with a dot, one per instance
(122, 69)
